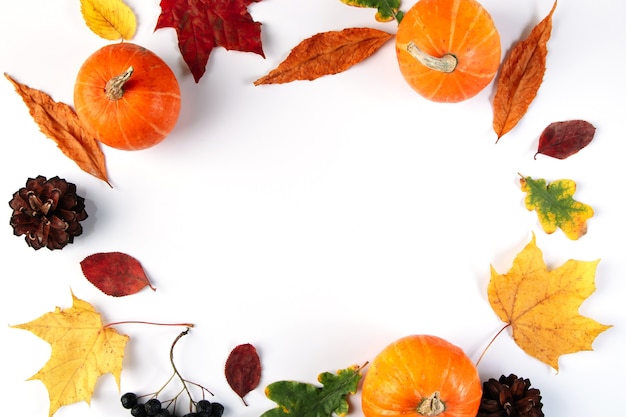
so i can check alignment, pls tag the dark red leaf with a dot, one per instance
(563, 139)
(243, 370)
(115, 273)
(201, 25)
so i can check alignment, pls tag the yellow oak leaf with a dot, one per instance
(541, 305)
(83, 349)
(109, 19)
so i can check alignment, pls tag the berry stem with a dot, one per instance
(182, 380)
(491, 342)
(148, 322)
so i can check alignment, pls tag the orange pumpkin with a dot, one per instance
(448, 50)
(127, 96)
(421, 375)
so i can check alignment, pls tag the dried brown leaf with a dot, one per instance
(326, 53)
(59, 122)
(521, 76)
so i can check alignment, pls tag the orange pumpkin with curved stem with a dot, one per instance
(448, 50)
(127, 96)
(421, 376)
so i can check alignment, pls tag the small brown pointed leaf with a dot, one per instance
(115, 273)
(243, 370)
(59, 122)
(563, 139)
(521, 76)
(326, 53)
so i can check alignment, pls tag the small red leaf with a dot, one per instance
(563, 139)
(243, 370)
(115, 273)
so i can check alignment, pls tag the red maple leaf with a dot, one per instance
(201, 25)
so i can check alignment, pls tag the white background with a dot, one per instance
(319, 220)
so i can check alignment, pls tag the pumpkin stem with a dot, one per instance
(431, 406)
(446, 63)
(114, 89)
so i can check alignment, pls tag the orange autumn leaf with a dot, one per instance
(541, 305)
(521, 76)
(326, 53)
(83, 349)
(59, 122)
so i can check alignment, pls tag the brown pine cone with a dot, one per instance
(48, 212)
(510, 397)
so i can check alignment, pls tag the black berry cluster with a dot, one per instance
(154, 408)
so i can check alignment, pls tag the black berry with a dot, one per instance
(217, 410)
(129, 400)
(163, 413)
(152, 406)
(138, 411)
(203, 406)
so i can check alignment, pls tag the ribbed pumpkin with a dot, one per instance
(448, 50)
(421, 375)
(127, 96)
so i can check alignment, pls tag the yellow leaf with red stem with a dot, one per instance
(83, 349)
(541, 305)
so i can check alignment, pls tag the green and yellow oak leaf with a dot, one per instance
(299, 399)
(556, 207)
(387, 10)
(109, 19)
(83, 349)
(541, 305)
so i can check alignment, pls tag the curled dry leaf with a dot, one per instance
(541, 305)
(59, 122)
(115, 273)
(326, 53)
(563, 139)
(521, 76)
(243, 370)
(109, 19)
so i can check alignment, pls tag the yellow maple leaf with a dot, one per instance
(541, 305)
(109, 19)
(83, 349)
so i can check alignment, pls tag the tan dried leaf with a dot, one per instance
(521, 76)
(326, 53)
(59, 122)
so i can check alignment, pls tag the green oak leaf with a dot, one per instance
(299, 399)
(556, 207)
(387, 9)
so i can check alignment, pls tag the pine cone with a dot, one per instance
(48, 212)
(510, 397)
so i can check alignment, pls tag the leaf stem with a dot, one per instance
(147, 322)
(491, 342)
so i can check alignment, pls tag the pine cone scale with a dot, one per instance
(510, 397)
